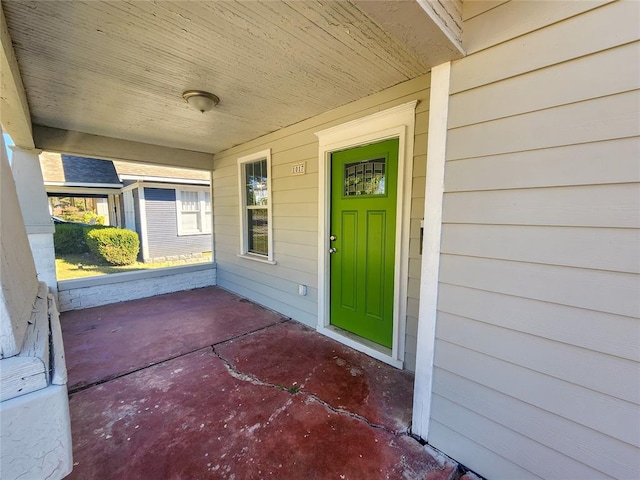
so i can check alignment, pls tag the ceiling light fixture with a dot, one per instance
(202, 101)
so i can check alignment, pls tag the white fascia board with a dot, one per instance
(172, 186)
(177, 181)
(83, 184)
(63, 191)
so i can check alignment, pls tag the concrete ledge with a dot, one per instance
(119, 287)
(131, 276)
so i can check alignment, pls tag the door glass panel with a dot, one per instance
(365, 178)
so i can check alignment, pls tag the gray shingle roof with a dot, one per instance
(91, 170)
(72, 169)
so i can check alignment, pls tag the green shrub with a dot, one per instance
(71, 238)
(72, 214)
(116, 246)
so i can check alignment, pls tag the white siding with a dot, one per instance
(295, 211)
(537, 371)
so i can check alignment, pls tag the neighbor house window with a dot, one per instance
(255, 206)
(207, 211)
(194, 212)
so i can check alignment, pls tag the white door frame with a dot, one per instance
(397, 122)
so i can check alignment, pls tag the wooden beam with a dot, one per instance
(96, 146)
(14, 109)
(417, 26)
(447, 16)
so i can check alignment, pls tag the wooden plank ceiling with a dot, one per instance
(118, 69)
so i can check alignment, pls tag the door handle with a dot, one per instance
(333, 238)
(332, 250)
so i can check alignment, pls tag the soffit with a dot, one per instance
(118, 69)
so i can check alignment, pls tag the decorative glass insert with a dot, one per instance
(365, 178)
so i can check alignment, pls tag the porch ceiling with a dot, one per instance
(118, 69)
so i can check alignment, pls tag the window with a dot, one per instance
(207, 211)
(194, 212)
(255, 206)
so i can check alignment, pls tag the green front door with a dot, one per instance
(364, 182)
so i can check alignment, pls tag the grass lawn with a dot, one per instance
(86, 265)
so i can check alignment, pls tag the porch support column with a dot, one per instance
(35, 212)
(436, 153)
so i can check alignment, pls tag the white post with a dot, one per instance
(18, 279)
(436, 150)
(35, 212)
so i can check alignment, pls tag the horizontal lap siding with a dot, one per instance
(537, 371)
(162, 227)
(295, 211)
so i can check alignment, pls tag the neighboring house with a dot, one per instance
(169, 208)
(501, 252)
(81, 184)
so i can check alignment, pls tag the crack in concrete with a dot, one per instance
(246, 377)
(281, 321)
(80, 387)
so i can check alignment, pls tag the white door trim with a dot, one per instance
(397, 122)
(436, 150)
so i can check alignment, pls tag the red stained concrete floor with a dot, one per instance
(205, 385)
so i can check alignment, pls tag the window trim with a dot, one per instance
(201, 212)
(244, 232)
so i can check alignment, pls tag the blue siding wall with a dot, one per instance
(162, 227)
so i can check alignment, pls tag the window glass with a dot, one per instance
(256, 183)
(365, 178)
(207, 212)
(189, 221)
(258, 224)
(190, 202)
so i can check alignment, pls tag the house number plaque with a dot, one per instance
(298, 168)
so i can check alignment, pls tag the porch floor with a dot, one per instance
(204, 384)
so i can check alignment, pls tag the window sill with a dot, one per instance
(190, 234)
(256, 258)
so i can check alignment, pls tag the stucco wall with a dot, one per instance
(295, 211)
(536, 354)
